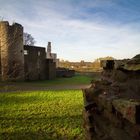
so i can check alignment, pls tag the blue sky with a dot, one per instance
(79, 29)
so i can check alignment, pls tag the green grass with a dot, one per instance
(78, 79)
(45, 115)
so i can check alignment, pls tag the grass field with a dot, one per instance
(77, 79)
(41, 115)
(38, 85)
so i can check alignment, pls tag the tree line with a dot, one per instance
(83, 66)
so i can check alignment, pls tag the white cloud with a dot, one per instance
(75, 39)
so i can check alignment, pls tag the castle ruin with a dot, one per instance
(11, 51)
(20, 62)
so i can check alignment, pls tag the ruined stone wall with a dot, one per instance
(11, 46)
(63, 72)
(35, 63)
(112, 104)
(22, 63)
(50, 69)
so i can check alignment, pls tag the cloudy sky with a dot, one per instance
(79, 29)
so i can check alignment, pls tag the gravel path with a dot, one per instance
(25, 87)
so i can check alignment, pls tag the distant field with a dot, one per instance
(41, 115)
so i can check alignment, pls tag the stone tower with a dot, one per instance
(49, 50)
(11, 52)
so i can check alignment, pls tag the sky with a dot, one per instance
(79, 29)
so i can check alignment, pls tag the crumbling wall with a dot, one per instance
(35, 63)
(64, 72)
(37, 67)
(112, 104)
(50, 69)
(12, 58)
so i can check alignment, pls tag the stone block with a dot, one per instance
(129, 109)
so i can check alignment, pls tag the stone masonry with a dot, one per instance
(19, 62)
(11, 48)
(112, 104)
(37, 67)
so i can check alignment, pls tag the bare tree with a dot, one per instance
(28, 39)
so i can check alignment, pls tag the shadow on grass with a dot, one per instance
(34, 136)
(14, 99)
(45, 128)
